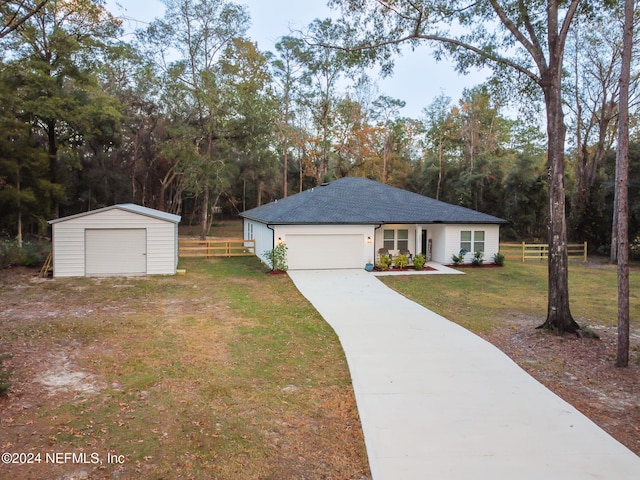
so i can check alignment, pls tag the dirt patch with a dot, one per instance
(62, 374)
(582, 371)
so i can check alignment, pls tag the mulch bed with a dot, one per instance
(409, 268)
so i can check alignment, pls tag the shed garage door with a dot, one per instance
(115, 251)
(311, 252)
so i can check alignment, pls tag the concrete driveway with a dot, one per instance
(439, 403)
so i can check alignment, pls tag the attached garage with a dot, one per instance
(125, 239)
(312, 252)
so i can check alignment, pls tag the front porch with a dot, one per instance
(438, 242)
(435, 268)
(397, 239)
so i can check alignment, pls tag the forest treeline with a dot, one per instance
(188, 116)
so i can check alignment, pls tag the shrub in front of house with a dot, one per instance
(419, 261)
(400, 261)
(277, 257)
(458, 259)
(384, 262)
(478, 259)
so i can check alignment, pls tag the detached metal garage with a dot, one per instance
(125, 239)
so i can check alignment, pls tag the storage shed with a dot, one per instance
(124, 239)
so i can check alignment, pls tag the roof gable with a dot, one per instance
(127, 207)
(352, 200)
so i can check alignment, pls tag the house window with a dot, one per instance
(389, 239)
(396, 239)
(403, 240)
(469, 245)
(478, 241)
(250, 231)
(465, 240)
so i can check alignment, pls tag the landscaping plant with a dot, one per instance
(401, 261)
(278, 257)
(419, 261)
(458, 259)
(384, 262)
(478, 259)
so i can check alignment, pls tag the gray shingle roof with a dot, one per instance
(353, 200)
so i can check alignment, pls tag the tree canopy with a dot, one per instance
(191, 117)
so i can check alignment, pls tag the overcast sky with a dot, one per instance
(417, 78)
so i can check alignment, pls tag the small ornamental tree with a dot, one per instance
(277, 257)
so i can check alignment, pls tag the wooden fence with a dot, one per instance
(523, 251)
(216, 248)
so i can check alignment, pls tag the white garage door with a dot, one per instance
(311, 252)
(116, 251)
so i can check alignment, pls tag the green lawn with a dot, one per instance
(223, 373)
(484, 297)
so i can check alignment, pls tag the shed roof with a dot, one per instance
(128, 207)
(352, 200)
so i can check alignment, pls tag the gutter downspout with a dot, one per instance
(374, 242)
(273, 240)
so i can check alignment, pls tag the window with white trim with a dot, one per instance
(472, 241)
(478, 241)
(389, 239)
(465, 240)
(396, 239)
(403, 240)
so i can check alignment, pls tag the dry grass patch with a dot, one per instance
(224, 373)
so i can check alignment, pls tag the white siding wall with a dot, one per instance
(263, 236)
(69, 247)
(437, 234)
(452, 242)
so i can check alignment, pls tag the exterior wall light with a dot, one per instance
(369, 240)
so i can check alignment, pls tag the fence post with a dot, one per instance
(585, 252)
(523, 250)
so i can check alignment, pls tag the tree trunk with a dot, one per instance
(204, 214)
(52, 151)
(285, 147)
(613, 253)
(440, 171)
(621, 191)
(559, 316)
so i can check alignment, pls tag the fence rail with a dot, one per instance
(216, 248)
(523, 251)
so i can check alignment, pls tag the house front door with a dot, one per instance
(423, 248)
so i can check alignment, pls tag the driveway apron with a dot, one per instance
(437, 402)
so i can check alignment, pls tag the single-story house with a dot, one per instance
(346, 223)
(124, 239)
